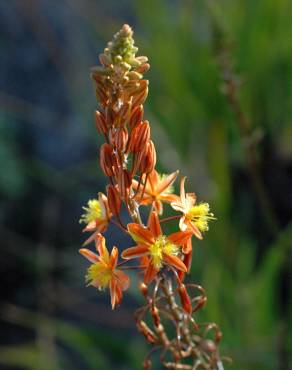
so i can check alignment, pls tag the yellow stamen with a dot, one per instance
(160, 247)
(92, 212)
(98, 275)
(200, 216)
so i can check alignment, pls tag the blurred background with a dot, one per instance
(220, 105)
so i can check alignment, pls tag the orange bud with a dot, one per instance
(109, 117)
(140, 135)
(114, 200)
(100, 123)
(148, 160)
(139, 98)
(124, 182)
(185, 298)
(107, 159)
(218, 336)
(143, 68)
(121, 138)
(136, 116)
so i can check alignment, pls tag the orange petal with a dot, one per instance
(187, 247)
(150, 273)
(113, 258)
(158, 206)
(178, 206)
(180, 237)
(153, 179)
(113, 293)
(134, 252)
(140, 234)
(169, 198)
(101, 247)
(154, 225)
(122, 279)
(193, 228)
(92, 257)
(174, 261)
(164, 184)
(182, 190)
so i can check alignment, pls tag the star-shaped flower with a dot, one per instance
(158, 189)
(103, 272)
(195, 217)
(160, 249)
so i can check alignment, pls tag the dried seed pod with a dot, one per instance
(200, 304)
(100, 122)
(136, 116)
(155, 316)
(208, 345)
(143, 289)
(185, 298)
(147, 332)
(114, 200)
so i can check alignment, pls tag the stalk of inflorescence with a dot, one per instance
(128, 160)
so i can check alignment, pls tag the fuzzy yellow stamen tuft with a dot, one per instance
(98, 275)
(200, 216)
(92, 212)
(160, 247)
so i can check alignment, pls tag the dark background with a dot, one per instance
(240, 163)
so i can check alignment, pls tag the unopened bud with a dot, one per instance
(124, 182)
(114, 200)
(185, 298)
(109, 117)
(140, 135)
(121, 138)
(134, 75)
(143, 68)
(140, 97)
(104, 59)
(100, 123)
(148, 160)
(107, 159)
(136, 116)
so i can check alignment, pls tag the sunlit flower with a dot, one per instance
(103, 272)
(160, 249)
(96, 217)
(195, 217)
(158, 189)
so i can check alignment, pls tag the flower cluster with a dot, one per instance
(128, 159)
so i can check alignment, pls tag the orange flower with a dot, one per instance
(103, 272)
(158, 189)
(195, 217)
(96, 217)
(159, 248)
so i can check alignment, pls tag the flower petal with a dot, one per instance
(150, 273)
(175, 261)
(92, 257)
(180, 237)
(187, 247)
(165, 183)
(140, 234)
(154, 225)
(182, 191)
(101, 247)
(134, 252)
(123, 280)
(113, 258)
(153, 179)
(193, 228)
